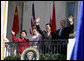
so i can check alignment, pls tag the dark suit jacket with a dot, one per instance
(44, 34)
(65, 32)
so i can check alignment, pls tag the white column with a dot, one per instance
(4, 13)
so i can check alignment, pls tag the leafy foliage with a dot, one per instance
(47, 56)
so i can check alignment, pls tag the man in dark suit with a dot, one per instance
(63, 33)
(47, 34)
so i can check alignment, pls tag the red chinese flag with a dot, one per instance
(53, 19)
(15, 26)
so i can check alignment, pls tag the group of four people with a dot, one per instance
(38, 34)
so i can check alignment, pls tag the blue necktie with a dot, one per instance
(60, 32)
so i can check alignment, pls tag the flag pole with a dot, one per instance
(22, 17)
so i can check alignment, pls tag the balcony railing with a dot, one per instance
(43, 46)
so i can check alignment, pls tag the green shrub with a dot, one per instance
(46, 56)
(12, 57)
(51, 56)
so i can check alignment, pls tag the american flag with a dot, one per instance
(32, 19)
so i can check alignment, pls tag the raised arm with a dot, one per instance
(71, 27)
(38, 27)
(13, 37)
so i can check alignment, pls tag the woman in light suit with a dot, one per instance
(36, 37)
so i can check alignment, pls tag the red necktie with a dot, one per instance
(47, 34)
